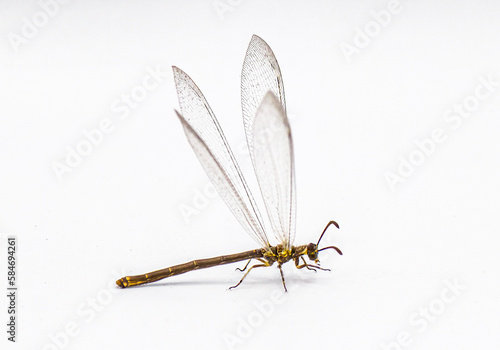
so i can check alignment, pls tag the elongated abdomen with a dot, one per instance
(130, 281)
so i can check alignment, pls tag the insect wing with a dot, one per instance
(274, 166)
(272, 155)
(260, 74)
(210, 146)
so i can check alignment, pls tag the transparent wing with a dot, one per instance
(210, 146)
(260, 74)
(273, 157)
(274, 166)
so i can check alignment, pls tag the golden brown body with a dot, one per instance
(267, 257)
(130, 281)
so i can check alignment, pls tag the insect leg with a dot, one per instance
(245, 275)
(238, 269)
(303, 265)
(309, 266)
(282, 278)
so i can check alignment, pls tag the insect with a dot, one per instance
(269, 141)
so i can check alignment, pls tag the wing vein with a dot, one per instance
(212, 149)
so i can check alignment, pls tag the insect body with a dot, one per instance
(269, 140)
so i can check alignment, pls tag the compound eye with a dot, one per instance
(312, 253)
(311, 247)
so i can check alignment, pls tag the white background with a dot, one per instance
(353, 116)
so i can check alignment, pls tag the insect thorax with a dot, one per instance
(281, 254)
